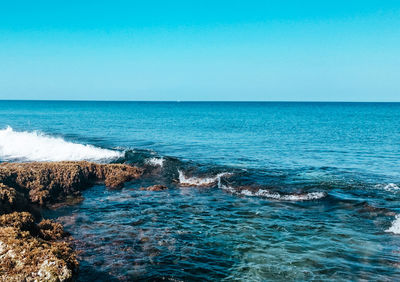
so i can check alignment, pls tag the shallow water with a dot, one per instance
(257, 191)
(207, 234)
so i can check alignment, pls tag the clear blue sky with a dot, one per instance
(200, 50)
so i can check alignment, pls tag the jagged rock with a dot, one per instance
(154, 188)
(36, 252)
(30, 252)
(20, 220)
(11, 200)
(24, 257)
(50, 230)
(51, 182)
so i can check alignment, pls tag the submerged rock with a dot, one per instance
(154, 188)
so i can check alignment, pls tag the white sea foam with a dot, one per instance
(226, 187)
(391, 187)
(36, 146)
(155, 161)
(395, 228)
(274, 195)
(200, 181)
(292, 197)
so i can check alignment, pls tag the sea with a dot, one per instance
(257, 191)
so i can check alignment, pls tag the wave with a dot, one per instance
(200, 181)
(395, 228)
(155, 161)
(274, 195)
(36, 146)
(290, 197)
(391, 187)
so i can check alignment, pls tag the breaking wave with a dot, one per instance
(391, 187)
(291, 197)
(36, 146)
(200, 181)
(395, 228)
(274, 195)
(155, 161)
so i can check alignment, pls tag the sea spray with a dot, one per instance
(273, 195)
(155, 161)
(391, 187)
(200, 181)
(36, 146)
(395, 228)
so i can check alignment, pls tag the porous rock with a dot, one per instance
(51, 182)
(33, 252)
(40, 252)
(154, 188)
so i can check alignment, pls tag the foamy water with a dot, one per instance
(200, 181)
(155, 161)
(274, 195)
(292, 197)
(391, 187)
(36, 146)
(395, 228)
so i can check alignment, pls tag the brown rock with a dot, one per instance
(154, 188)
(20, 220)
(33, 252)
(11, 200)
(50, 182)
(50, 230)
(27, 258)
(29, 252)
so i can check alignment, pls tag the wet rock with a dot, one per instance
(154, 188)
(24, 257)
(21, 220)
(11, 200)
(50, 230)
(51, 182)
(69, 201)
(37, 252)
(371, 211)
(31, 252)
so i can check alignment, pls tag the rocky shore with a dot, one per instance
(33, 249)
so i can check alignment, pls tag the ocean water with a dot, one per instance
(257, 191)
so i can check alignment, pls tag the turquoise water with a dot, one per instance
(277, 190)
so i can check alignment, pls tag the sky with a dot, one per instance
(200, 50)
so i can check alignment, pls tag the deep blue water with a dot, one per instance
(312, 190)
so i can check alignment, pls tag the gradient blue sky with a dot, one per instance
(200, 50)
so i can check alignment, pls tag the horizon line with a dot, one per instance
(195, 101)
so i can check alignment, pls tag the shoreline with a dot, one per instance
(34, 248)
